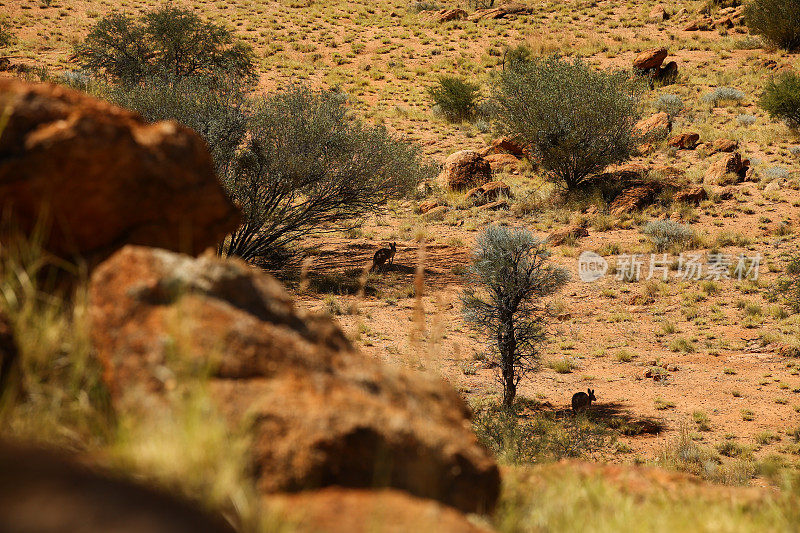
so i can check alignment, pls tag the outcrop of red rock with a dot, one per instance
(465, 169)
(728, 163)
(446, 15)
(504, 145)
(8, 351)
(684, 141)
(497, 205)
(500, 162)
(724, 145)
(104, 177)
(489, 192)
(319, 412)
(45, 492)
(634, 198)
(336, 510)
(658, 14)
(427, 205)
(562, 235)
(650, 59)
(656, 125)
(700, 24)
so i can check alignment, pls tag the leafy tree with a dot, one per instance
(574, 119)
(512, 270)
(169, 43)
(778, 21)
(781, 98)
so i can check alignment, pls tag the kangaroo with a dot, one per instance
(382, 256)
(582, 400)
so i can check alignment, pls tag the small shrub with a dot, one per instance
(666, 235)
(746, 120)
(670, 104)
(781, 99)
(576, 120)
(722, 95)
(6, 36)
(454, 98)
(778, 21)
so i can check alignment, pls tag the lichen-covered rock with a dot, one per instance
(465, 169)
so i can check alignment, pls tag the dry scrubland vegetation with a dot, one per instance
(694, 376)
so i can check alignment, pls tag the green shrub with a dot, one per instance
(454, 98)
(666, 235)
(778, 21)
(169, 42)
(781, 98)
(308, 166)
(576, 120)
(6, 36)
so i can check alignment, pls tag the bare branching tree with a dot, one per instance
(511, 271)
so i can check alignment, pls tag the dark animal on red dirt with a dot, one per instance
(383, 257)
(582, 400)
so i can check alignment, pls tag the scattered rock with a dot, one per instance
(727, 164)
(572, 233)
(504, 145)
(489, 192)
(658, 125)
(464, 170)
(724, 145)
(45, 492)
(337, 510)
(700, 24)
(684, 141)
(105, 176)
(320, 412)
(658, 14)
(633, 198)
(650, 59)
(773, 186)
(693, 195)
(727, 193)
(500, 162)
(495, 206)
(427, 205)
(437, 213)
(446, 15)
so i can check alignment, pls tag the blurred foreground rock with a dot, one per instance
(41, 492)
(102, 177)
(320, 412)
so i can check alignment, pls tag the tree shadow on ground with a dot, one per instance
(617, 416)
